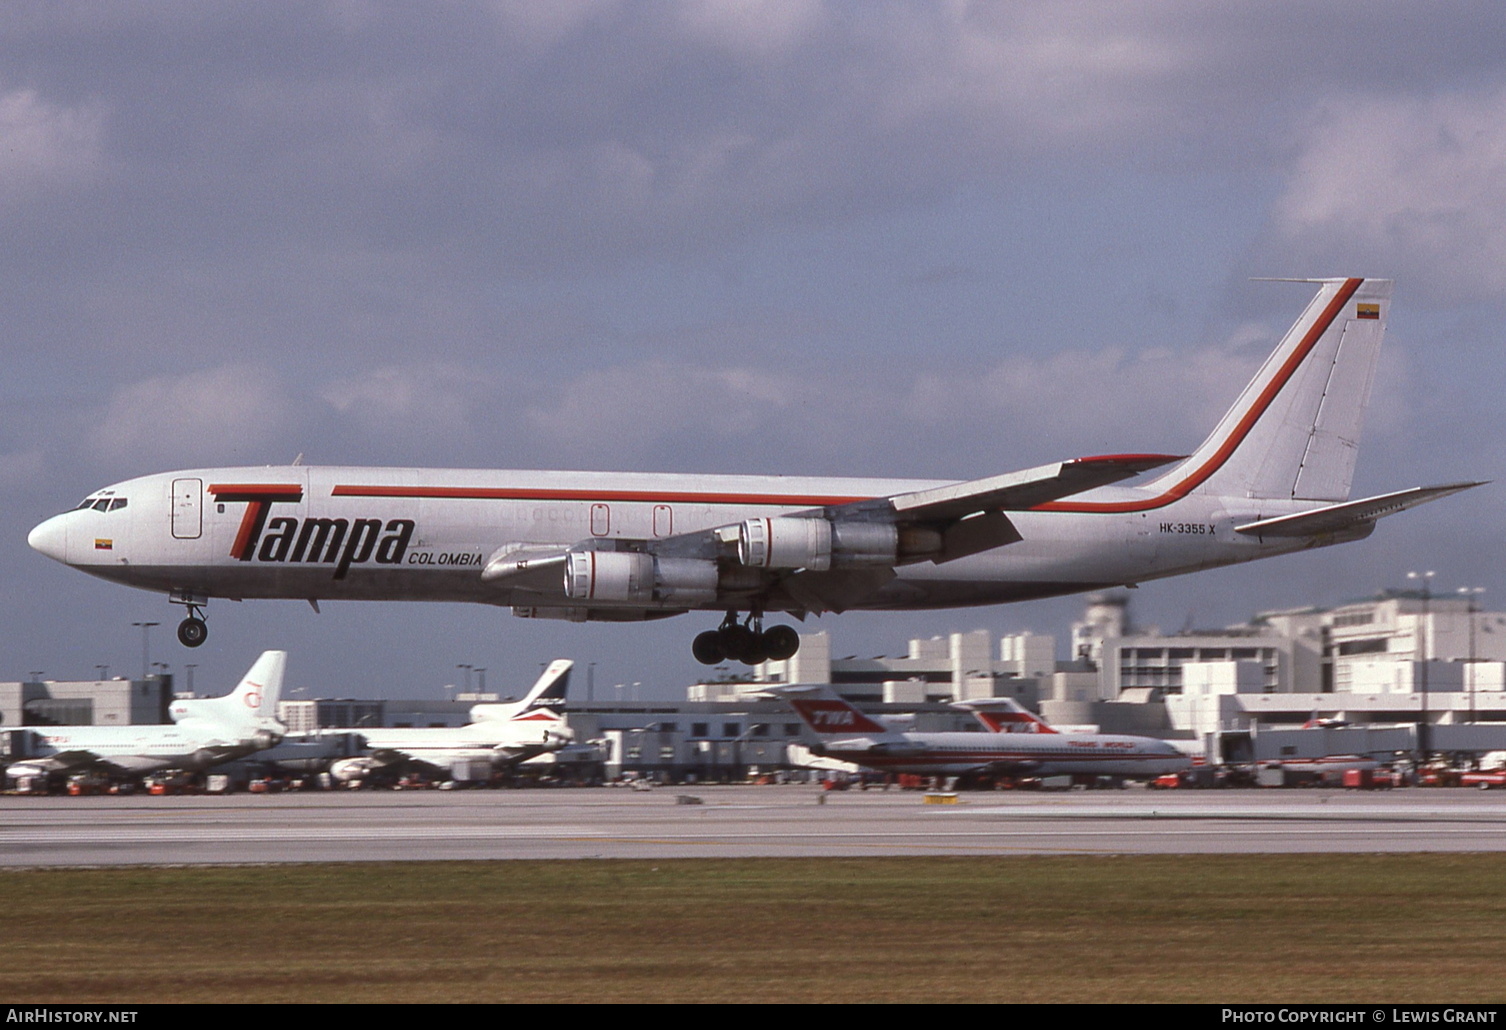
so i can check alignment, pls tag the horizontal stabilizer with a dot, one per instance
(1020, 491)
(1336, 518)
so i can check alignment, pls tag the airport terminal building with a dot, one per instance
(1367, 676)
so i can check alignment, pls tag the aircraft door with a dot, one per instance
(601, 520)
(188, 509)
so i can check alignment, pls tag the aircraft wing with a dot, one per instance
(1350, 515)
(938, 524)
(1018, 491)
(65, 761)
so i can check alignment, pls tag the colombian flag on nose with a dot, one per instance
(101, 544)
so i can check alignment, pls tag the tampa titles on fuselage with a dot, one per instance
(1272, 478)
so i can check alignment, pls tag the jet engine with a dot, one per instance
(631, 576)
(788, 542)
(347, 770)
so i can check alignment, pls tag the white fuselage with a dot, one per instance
(143, 749)
(425, 534)
(500, 742)
(1014, 754)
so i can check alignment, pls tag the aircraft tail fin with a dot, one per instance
(1294, 432)
(254, 698)
(828, 714)
(1005, 715)
(548, 691)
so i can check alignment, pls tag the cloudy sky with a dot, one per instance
(939, 239)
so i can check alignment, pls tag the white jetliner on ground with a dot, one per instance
(206, 732)
(1019, 743)
(1272, 478)
(498, 734)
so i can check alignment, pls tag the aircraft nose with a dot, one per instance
(51, 538)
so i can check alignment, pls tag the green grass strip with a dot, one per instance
(1277, 928)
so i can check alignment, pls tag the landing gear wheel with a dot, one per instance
(192, 632)
(780, 643)
(757, 651)
(707, 648)
(736, 641)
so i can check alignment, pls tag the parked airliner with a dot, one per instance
(206, 732)
(498, 734)
(1272, 478)
(1018, 744)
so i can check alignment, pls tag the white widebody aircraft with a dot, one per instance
(500, 734)
(205, 732)
(1018, 744)
(1273, 478)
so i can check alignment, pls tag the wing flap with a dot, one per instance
(1336, 518)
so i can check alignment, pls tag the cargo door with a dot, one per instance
(188, 509)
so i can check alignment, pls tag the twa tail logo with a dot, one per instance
(834, 716)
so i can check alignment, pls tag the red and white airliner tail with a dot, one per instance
(1273, 478)
(1005, 715)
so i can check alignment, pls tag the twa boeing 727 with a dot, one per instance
(1017, 744)
(1273, 478)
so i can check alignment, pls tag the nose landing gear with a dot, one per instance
(193, 630)
(746, 642)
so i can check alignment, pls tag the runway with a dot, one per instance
(788, 821)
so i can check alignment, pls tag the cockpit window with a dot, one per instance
(117, 504)
(87, 502)
(103, 504)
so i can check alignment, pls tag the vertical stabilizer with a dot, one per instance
(548, 691)
(254, 699)
(828, 714)
(1294, 432)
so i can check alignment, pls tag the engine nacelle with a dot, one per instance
(347, 770)
(785, 543)
(816, 544)
(630, 576)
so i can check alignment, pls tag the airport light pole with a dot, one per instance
(1472, 594)
(1426, 578)
(467, 669)
(103, 670)
(146, 632)
(188, 687)
(480, 679)
(590, 682)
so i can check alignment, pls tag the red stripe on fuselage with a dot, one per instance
(1241, 430)
(263, 491)
(477, 493)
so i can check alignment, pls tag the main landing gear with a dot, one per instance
(193, 630)
(746, 642)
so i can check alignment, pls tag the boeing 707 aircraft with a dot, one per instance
(1272, 478)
